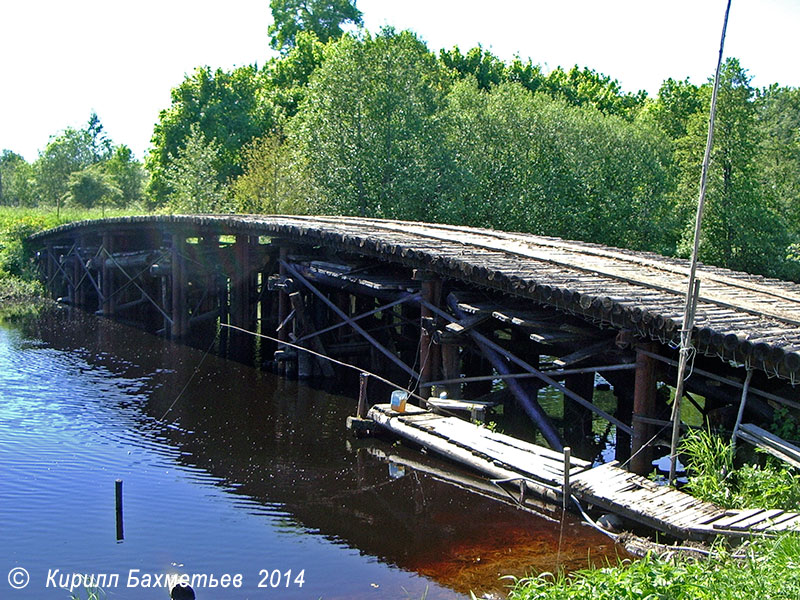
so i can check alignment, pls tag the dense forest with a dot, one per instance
(380, 125)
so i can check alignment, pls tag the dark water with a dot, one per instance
(227, 470)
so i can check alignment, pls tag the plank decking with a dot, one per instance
(609, 487)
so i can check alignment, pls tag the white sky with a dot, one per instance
(61, 59)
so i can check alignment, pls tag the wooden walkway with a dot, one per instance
(541, 472)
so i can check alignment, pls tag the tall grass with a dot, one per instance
(713, 476)
(769, 570)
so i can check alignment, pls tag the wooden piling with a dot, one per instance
(118, 499)
(363, 404)
(107, 276)
(180, 310)
(565, 490)
(578, 418)
(644, 404)
(429, 354)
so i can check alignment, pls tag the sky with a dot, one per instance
(62, 59)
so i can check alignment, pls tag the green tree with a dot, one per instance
(193, 176)
(534, 163)
(64, 154)
(287, 77)
(583, 87)
(99, 144)
(231, 108)
(485, 67)
(273, 181)
(742, 226)
(92, 187)
(368, 127)
(778, 161)
(16, 180)
(677, 102)
(128, 176)
(322, 17)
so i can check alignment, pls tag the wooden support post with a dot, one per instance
(566, 491)
(363, 404)
(118, 502)
(644, 404)
(304, 327)
(578, 418)
(283, 306)
(624, 394)
(429, 353)
(209, 246)
(107, 284)
(180, 310)
(451, 362)
(240, 284)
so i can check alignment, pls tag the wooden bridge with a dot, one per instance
(448, 308)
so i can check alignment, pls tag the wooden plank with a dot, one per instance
(744, 514)
(754, 520)
(776, 520)
(716, 517)
(793, 523)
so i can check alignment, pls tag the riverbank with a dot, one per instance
(766, 568)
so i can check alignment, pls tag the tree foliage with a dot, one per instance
(743, 228)
(274, 180)
(230, 108)
(16, 180)
(193, 176)
(322, 17)
(368, 126)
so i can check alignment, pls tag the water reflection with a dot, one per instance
(230, 469)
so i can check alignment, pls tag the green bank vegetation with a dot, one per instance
(765, 569)
(19, 281)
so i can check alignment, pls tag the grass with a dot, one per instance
(768, 570)
(715, 478)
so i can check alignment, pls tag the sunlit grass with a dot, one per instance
(767, 569)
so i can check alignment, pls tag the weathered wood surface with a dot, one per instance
(771, 443)
(740, 317)
(607, 486)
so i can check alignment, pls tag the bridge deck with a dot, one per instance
(745, 318)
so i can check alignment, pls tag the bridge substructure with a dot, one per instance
(487, 317)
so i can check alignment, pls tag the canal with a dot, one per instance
(228, 470)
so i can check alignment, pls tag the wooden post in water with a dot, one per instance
(363, 404)
(118, 498)
(578, 418)
(644, 403)
(283, 306)
(240, 284)
(451, 361)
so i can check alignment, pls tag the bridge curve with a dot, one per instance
(748, 319)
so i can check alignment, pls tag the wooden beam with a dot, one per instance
(644, 404)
